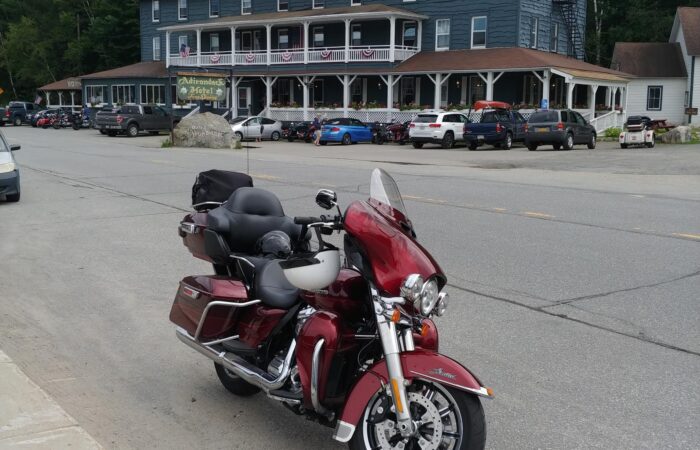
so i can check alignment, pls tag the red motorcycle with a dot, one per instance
(348, 342)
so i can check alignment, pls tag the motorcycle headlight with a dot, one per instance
(411, 288)
(7, 167)
(429, 297)
(443, 302)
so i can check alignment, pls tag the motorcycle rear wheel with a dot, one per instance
(448, 419)
(235, 384)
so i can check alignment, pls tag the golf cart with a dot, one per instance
(638, 131)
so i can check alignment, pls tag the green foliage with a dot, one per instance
(166, 143)
(613, 132)
(47, 40)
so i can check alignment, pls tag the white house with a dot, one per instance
(667, 79)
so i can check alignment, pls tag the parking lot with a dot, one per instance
(574, 278)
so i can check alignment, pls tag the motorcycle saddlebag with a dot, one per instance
(192, 298)
(217, 186)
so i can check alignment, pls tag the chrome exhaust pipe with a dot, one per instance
(239, 366)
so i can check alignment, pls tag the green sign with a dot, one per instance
(201, 88)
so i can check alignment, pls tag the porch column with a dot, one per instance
(72, 98)
(346, 81)
(592, 90)
(269, 82)
(347, 39)
(199, 46)
(233, 47)
(268, 29)
(570, 86)
(546, 84)
(235, 81)
(392, 39)
(60, 98)
(389, 96)
(306, 42)
(489, 86)
(48, 99)
(167, 49)
(305, 90)
(419, 35)
(438, 90)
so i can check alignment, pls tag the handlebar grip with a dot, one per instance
(306, 220)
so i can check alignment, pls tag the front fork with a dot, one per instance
(392, 347)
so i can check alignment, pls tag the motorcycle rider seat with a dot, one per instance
(272, 287)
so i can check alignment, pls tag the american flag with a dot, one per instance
(184, 50)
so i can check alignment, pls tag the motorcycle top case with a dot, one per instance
(217, 186)
(193, 296)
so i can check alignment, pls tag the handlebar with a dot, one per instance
(324, 221)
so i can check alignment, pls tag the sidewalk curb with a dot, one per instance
(30, 418)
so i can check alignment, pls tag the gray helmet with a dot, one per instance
(276, 244)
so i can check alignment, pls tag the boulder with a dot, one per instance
(678, 135)
(204, 130)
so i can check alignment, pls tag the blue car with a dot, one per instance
(346, 131)
(9, 173)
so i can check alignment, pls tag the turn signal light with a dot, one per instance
(396, 316)
(489, 391)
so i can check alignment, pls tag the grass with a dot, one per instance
(166, 143)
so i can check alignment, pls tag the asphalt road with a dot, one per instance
(574, 277)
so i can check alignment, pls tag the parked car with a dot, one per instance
(346, 131)
(560, 129)
(132, 119)
(638, 131)
(16, 113)
(9, 172)
(498, 127)
(249, 128)
(443, 128)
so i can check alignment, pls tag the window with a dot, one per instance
(356, 91)
(477, 89)
(283, 38)
(655, 98)
(257, 40)
(182, 10)
(408, 90)
(182, 41)
(565, 117)
(442, 34)
(355, 2)
(153, 94)
(214, 42)
(356, 34)
(282, 5)
(409, 34)
(319, 37)
(534, 30)
(95, 94)
(318, 3)
(123, 94)
(554, 38)
(214, 8)
(283, 96)
(246, 41)
(156, 48)
(532, 90)
(155, 9)
(479, 32)
(317, 92)
(444, 94)
(246, 6)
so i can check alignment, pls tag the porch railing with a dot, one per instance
(613, 119)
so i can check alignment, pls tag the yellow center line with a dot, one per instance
(499, 209)
(688, 236)
(538, 215)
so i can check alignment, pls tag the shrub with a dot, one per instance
(613, 132)
(167, 143)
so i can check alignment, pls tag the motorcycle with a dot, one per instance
(380, 134)
(399, 132)
(352, 345)
(303, 131)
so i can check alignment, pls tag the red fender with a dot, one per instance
(419, 363)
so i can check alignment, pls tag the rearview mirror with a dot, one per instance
(326, 199)
(15, 147)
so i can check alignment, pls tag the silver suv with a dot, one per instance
(443, 128)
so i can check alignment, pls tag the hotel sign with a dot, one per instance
(194, 87)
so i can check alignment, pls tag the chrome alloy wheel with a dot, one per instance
(435, 415)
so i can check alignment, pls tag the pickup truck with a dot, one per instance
(16, 113)
(497, 127)
(132, 119)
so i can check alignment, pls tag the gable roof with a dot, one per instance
(147, 69)
(690, 21)
(649, 59)
(69, 84)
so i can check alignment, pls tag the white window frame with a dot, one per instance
(241, 40)
(180, 7)
(218, 13)
(90, 89)
(152, 88)
(355, 27)
(403, 33)
(485, 31)
(156, 55)
(313, 34)
(355, 2)
(280, 32)
(279, 5)
(155, 6)
(313, 94)
(211, 43)
(534, 31)
(125, 88)
(183, 39)
(554, 38)
(438, 35)
(660, 97)
(408, 84)
(318, 4)
(246, 7)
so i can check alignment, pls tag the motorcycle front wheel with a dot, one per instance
(446, 419)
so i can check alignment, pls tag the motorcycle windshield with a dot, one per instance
(384, 190)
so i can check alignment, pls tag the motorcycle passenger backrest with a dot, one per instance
(247, 216)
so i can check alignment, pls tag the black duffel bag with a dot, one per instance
(214, 187)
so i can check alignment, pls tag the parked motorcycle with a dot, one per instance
(399, 132)
(380, 134)
(348, 343)
(302, 131)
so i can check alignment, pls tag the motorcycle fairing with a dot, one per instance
(423, 364)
